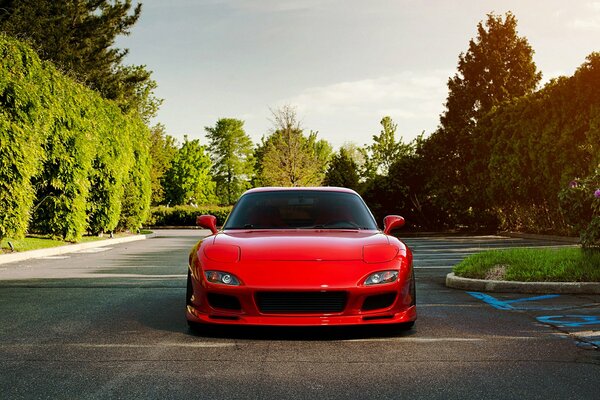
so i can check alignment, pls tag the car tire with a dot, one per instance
(193, 326)
(189, 290)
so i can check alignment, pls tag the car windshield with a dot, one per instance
(300, 209)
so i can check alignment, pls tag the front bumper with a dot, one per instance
(400, 309)
(378, 318)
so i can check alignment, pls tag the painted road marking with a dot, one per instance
(441, 339)
(543, 297)
(54, 257)
(588, 333)
(506, 304)
(95, 250)
(417, 340)
(492, 301)
(571, 321)
(123, 345)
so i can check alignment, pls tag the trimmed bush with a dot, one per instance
(21, 121)
(185, 215)
(68, 157)
(138, 191)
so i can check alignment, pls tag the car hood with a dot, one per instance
(314, 245)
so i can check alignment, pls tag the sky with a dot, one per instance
(344, 64)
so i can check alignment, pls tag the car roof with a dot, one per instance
(292, 189)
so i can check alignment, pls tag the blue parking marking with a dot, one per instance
(546, 296)
(570, 321)
(506, 304)
(492, 301)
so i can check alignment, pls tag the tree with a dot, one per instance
(287, 157)
(342, 171)
(232, 156)
(78, 37)
(497, 67)
(384, 150)
(188, 180)
(162, 151)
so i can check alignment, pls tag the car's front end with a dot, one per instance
(322, 278)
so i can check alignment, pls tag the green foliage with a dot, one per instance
(62, 186)
(185, 215)
(342, 171)
(79, 37)
(536, 145)
(497, 67)
(289, 158)
(399, 192)
(384, 150)
(580, 204)
(532, 265)
(162, 151)
(65, 152)
(188, 179)
(232, 156)
(138, 189)
(22, 117)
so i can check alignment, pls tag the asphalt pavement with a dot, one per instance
(109, 323)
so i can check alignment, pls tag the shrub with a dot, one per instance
(580, 203)
(136, 199)
(66, 154)
(185, 215)
(21, 120)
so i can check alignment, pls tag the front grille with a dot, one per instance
(223, 301)
(378, 301)
(300, 302)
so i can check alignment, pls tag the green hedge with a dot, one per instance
(528, 150)
(184, 215)
(69, 159)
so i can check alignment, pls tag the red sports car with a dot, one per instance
(301, 257)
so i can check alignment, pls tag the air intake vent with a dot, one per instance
(301, 302)
(223, 301)
(379, 301)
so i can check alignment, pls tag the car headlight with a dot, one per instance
(222, 278)
(382, 277)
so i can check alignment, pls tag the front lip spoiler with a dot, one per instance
(407, 315)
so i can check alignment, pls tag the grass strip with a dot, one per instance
(533, 265)
(36, 242)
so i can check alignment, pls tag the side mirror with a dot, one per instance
(392, 222)
(208, 222)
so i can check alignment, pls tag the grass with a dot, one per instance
(533, 265)
(36, 242)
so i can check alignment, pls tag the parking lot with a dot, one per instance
(575, 317)
(109, 323)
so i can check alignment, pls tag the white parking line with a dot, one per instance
(95, 250)
(53, 257)
(442, 339)
(121, 345)
(586, 333)
(125, 345)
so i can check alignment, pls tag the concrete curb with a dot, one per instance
(70, 248)
(457, 282)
